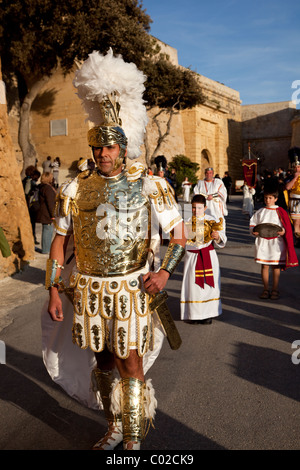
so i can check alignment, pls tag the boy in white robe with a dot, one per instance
(277, 251)
(200, 293)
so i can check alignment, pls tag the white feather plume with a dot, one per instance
(101, 75)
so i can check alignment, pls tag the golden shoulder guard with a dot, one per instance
(65, 199)
(162, 195)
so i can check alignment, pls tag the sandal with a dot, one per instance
(274, 295)
(265, 294)
(112, 438)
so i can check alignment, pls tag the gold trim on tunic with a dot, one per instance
(198, 301)
(103, 310)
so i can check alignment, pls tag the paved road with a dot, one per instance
(231, 385)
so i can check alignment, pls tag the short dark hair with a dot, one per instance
(271, 192)
(199, 198)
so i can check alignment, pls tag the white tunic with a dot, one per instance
(217, 206)
(268, 251)
(186, 188)
(199, 303)
(248, 204)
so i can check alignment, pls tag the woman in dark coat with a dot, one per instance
(45, 213)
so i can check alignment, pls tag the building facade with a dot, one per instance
(216, 133)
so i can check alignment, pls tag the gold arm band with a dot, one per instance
(173, 256)
(51, 278)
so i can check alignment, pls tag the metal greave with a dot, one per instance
(133, 409)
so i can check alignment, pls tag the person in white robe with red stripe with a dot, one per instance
(215, 193)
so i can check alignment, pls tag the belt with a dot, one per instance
(203, 271)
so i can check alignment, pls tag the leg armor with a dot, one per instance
(136, 401)
(102, 382)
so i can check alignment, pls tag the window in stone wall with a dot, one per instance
(58, 127)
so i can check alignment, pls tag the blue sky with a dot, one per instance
(250, 46)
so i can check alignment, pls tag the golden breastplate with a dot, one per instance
(111, 226)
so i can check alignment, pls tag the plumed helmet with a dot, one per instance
(111, 91)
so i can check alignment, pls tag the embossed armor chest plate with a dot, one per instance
(112, 227)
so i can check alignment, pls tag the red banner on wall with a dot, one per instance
(250, 172)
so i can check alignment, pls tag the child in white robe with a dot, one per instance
(269, 251)
(200, 293)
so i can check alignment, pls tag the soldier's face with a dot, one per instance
(107, 159)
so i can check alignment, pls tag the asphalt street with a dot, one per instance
(232, 385)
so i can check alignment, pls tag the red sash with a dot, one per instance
(203, 271)
(291, 257)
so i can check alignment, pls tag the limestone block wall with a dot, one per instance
(58, 102)
(295, 141)
(174, 143)
(268, 130)
(14, 217)
(212, 131)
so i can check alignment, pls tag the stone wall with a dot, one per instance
(58, 105)
(268, 130)
(296, 130)
(212, 131)
(14, 217)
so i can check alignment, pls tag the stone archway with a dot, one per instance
(206, 161)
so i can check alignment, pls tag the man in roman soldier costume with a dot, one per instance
(113, 215)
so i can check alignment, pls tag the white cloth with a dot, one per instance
(268, 251)
(199, 303)
(248, 204)
(186, 188)
(217, 206)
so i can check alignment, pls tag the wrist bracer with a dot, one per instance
(173, 256)
(52, 279)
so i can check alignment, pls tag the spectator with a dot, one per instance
(45, 213)
(227, 183)
(46, 165)
(55, 169)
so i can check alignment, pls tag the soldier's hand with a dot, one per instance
(155, 282)
(55, 305)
